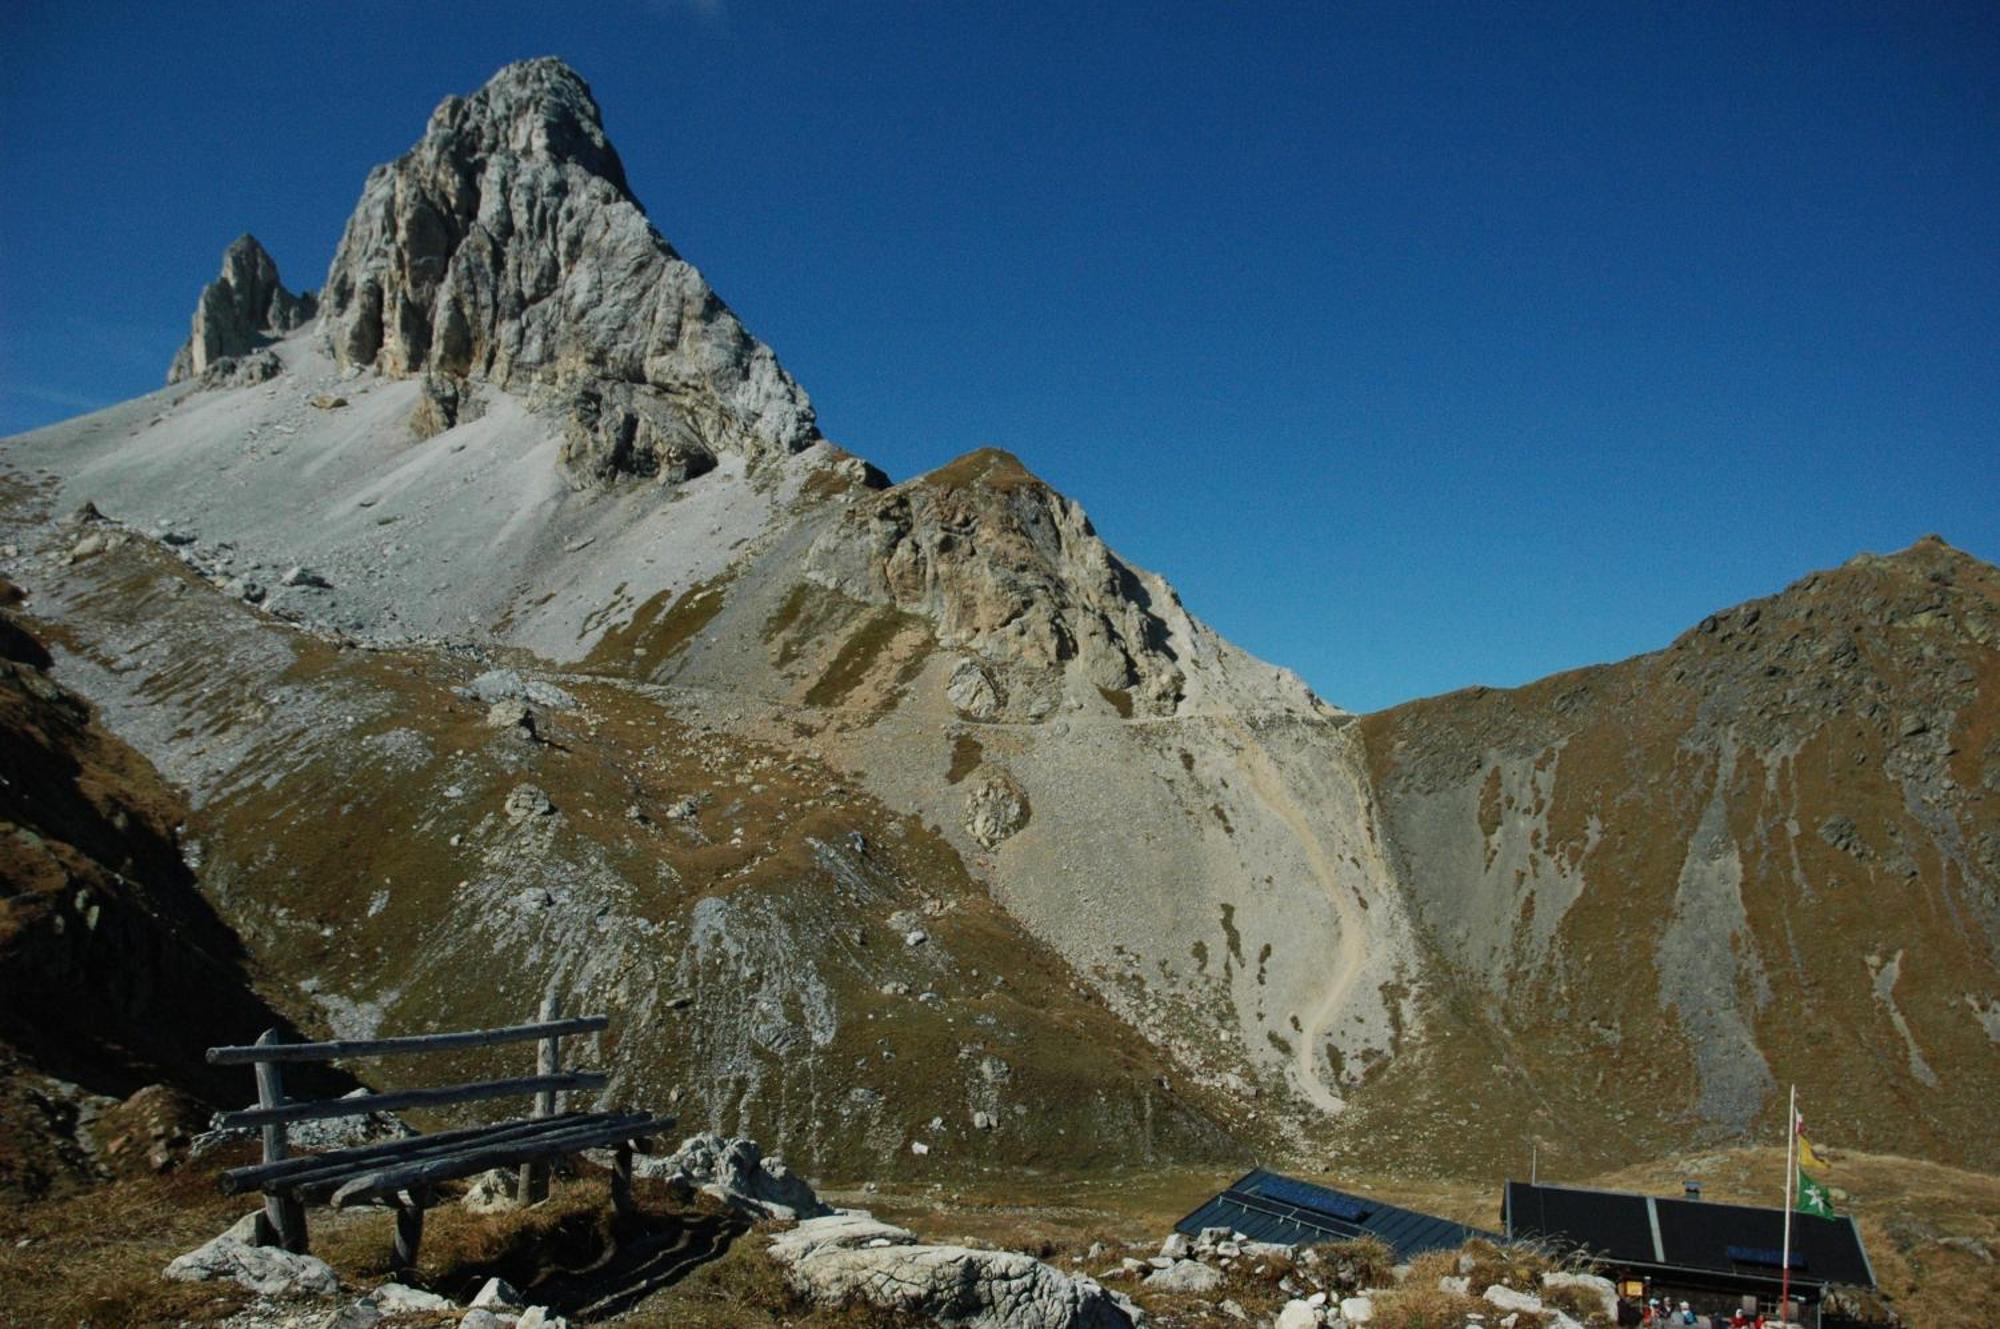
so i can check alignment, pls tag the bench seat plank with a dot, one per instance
(382, 1183)
(362, 1105)
(296, 1173)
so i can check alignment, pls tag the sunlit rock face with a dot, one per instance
(242, 309)
(506, 246)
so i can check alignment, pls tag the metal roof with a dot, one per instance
(1265, 1206)
(1739, 1240)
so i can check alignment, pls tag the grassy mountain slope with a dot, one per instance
(1767, 854)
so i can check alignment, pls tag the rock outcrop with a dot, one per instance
(239, 312)
(850, 1258)
(737, 1173)
(506, 246)
(1011, 572)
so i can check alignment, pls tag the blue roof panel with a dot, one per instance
(1266, 1206)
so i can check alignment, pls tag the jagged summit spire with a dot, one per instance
(505, 246)
(538, 109)
(241, 309)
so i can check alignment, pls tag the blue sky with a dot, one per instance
(1419, 345)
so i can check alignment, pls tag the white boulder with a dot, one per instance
(397, 1299)
(737, 1173)
(1605, 1292)
(269, 1271)
(1185, 1276)
(1507, 1299)
(850, 1258)
(491, 1192)
(1298, 1315)
(498, 1292)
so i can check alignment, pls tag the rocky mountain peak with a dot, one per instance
(1011, 572)
(505, 247)
(537, 110)
(239, 311)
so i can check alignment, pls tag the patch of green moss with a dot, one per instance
(657, 631)
(857, 656)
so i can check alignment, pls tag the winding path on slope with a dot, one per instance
(1349, 949)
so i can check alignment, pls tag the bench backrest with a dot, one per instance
(269, 1052)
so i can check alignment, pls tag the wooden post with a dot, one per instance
(283, 1214)
(621, 1178)
(409, 1226)
(534, 1182)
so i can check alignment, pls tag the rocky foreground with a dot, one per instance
(847, 1264)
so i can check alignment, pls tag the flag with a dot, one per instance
(1814, 1198)
(1807, 1158)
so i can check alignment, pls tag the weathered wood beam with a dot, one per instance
(478, 1158)
(409, 1228)
(296, 1173)
(621, 1178)
(387, 1047)
(264, 1115)
(533, 1183)
(285, 1216)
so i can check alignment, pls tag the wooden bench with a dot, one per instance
(403, 1174)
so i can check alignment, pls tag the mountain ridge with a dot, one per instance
(1323, 925)
(1762, 787)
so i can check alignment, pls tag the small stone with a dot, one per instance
(397, 1299)
(498, 1292)
(539, 1317)
(1507, 1299)
(491, 1192)
(1297, 1315)
(526, 802)
(512, 715)
(1185, 1276)
(995, 808)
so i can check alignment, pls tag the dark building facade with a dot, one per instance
(1710, 1255)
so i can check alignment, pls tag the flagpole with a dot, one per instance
(1791, 1175)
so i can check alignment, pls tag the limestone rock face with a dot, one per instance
(737, 1173)
(1011, 572)
(506, 246)
(239, 311)
(849, 1259)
